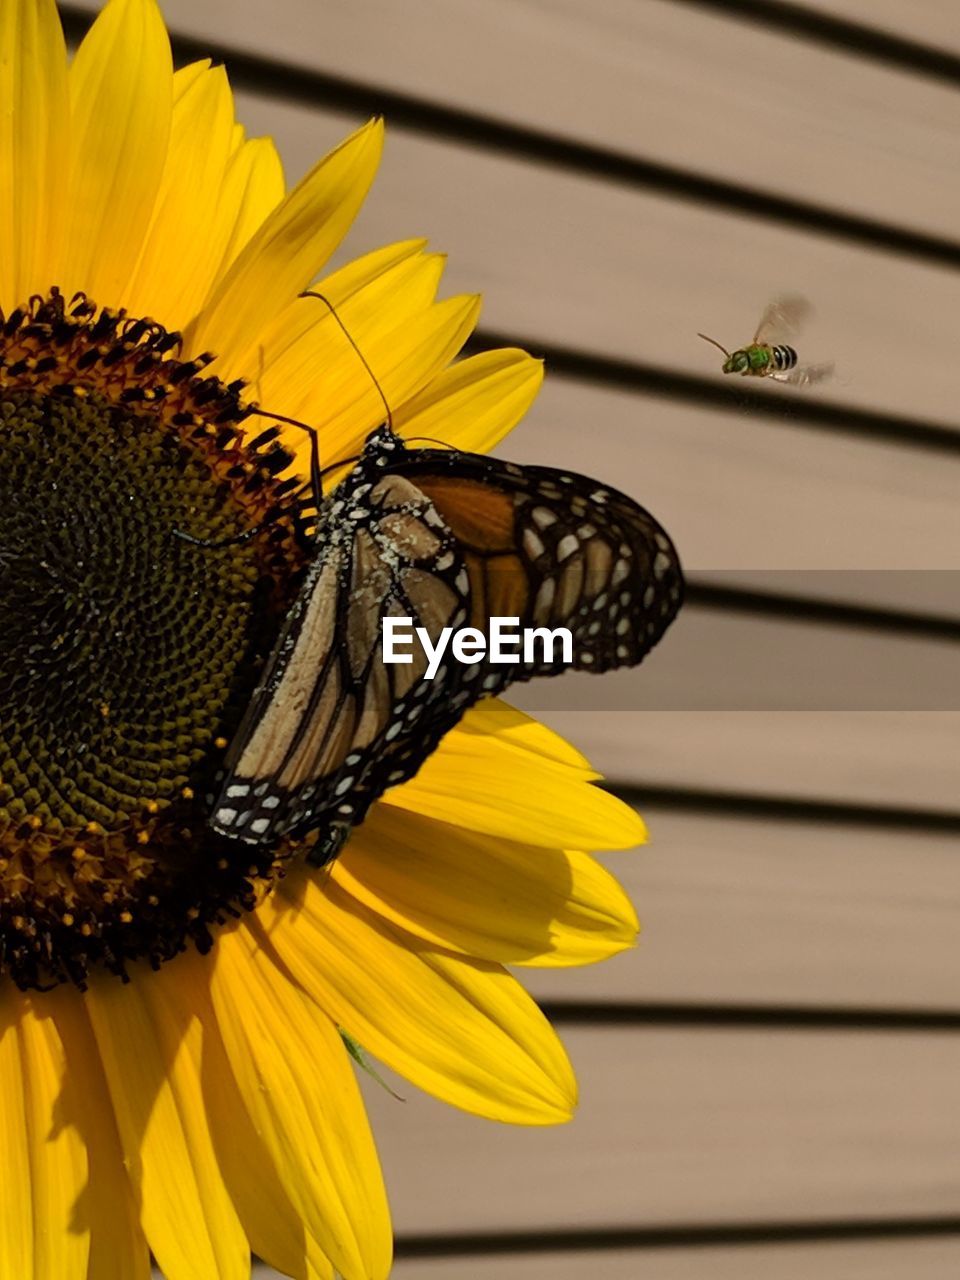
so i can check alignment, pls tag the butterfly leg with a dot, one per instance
(329, 844)
(316, 475)
(214, 544)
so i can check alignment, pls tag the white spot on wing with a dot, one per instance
(532, 544)
(544, 600)
(543, 517)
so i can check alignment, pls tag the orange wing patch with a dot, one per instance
(507, 591)
(477, 515)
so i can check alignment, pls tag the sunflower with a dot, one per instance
(177, 1016)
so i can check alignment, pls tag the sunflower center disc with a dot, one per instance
(127, 650)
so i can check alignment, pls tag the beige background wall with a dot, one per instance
(770, 1082)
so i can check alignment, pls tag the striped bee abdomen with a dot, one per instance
(784, 357)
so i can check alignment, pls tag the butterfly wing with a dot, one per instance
(326, 709)
(554, 549)
(445, 539)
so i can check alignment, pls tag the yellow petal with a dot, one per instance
(286, 365)
(121, 93)
(475, 403)
(45, 1160)
(478, 782)
(184, 78)
(515, 729)
(118, 1249)
(300, 1091)
(462, 1030)
(491, 898)
(306, 354)
(360, 272)
(345, 404)
(34, 109)
(272, 1225)
(16, 1204)
(253, 187)
(503, 773)
(151, 1058)
(187, 237)
(288, 251)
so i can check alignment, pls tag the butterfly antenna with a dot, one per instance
(714, 343)
(441, 444)
(312, 293)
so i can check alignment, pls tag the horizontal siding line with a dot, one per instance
(778, 808)
(843, 34)
(681, 1236)
(282, 81)
(769, 604)
(727, 395)
(656, 1013)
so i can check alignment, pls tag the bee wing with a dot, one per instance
(783, 319)
(805, 375)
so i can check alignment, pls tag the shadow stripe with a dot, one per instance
(776, 808)
(655, 1013)
(769, 604)
(696, 1236)
(277, 79)
(844, 34)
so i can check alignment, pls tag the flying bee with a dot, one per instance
(770, 354)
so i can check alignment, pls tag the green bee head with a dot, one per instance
(737, 362)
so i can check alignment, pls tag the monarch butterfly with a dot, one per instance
(448, 539)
